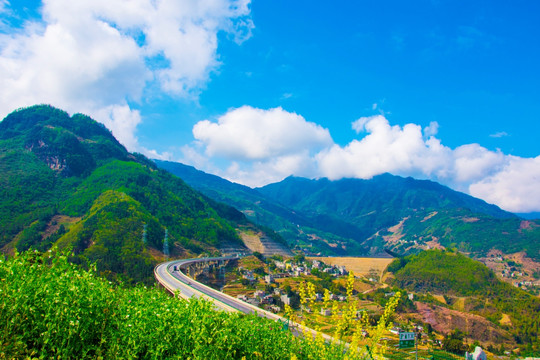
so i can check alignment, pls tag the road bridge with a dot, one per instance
(170, 274)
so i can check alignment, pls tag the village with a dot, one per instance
(517, 270)
(314, 292)
(272, 292)
(320, 295)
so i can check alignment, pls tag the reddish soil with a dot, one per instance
(445, 320)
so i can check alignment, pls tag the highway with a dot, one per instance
(176, 280)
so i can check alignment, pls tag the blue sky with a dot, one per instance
(257, 91)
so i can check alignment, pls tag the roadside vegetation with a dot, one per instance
(50, 308)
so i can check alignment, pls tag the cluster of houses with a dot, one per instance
(288, 269)
(510, 271)
(261, 299)
(305, 268)
(284, 269)
(526, 284)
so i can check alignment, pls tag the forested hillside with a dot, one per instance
(66, 180)
(358, 217)
(293, 227)
(468, 285)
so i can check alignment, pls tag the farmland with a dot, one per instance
(364, 266)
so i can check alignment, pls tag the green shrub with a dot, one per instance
(51, 308)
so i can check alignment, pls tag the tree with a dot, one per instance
(453, 342)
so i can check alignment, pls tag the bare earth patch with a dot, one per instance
(55, 223)
(445, 320)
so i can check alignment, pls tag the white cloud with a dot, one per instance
(99, 56)
(385, 148)
(258, 146)
(3, 6)
(248, 133)
(499, 134)
(264, 146)
(271, 170)
(122, 121)
(514, 188)
(473, 162)
(507, 181)
(153, 154)
(432, 129)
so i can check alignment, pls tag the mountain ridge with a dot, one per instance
(359, 217)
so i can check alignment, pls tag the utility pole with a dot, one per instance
(416, 338)
(166, 243)
(144, 234)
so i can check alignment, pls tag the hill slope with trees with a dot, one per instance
(66, 180)
(468, 285)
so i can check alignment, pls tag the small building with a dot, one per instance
(326, 312)
(242, 297)
(253, 301)
(285, 299)
(249, 276)
(259, 293)
(478, 354)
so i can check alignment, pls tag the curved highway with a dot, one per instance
(173, 279)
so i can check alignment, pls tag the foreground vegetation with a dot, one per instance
(51, 308)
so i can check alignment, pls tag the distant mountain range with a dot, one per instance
(66, 181)
(359, 217)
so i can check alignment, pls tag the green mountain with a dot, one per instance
(297, 229)
(66, 180)
(468, 285)
(358, 217)
(405, 214)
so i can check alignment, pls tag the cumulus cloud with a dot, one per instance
(385, 148)
(264, 146)
(99, 56)
(515, 187)
(507, 181)
(248, 133)
(473, 162)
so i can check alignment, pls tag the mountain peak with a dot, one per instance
(71, 146)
